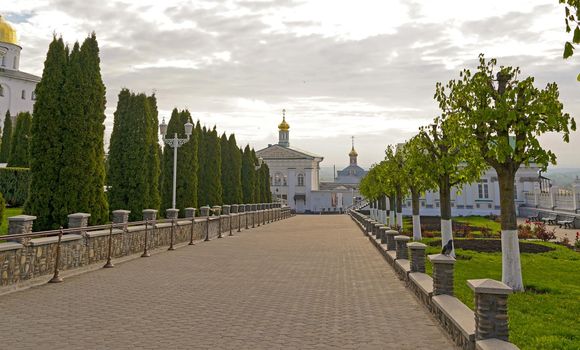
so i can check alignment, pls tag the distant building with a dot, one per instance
(353, 173)
(17, 88)
(295, 177)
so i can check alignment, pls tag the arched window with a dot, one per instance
(3, 61)
(300, 179)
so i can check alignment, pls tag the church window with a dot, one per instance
(277, 179)
(483, 189)
(24, 94)
(3, 61)
(285, 181)
(1, 91)
(14, 65)
(300, 179)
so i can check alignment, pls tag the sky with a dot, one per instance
(360, 68)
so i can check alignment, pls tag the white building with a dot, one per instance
(16, 87)
(294, 177)
(481, 197)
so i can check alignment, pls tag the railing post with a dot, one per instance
(491, 309)
(109, 263)
(254, 215)
(401, 246)
(204, 212)
(247, 210)
(190, 214)
(56, 277)
(442, 274)
(417, 256)
(172, 215)
(145, 251)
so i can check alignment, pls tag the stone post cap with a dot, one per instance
(226, 206)
(19, 218)
(189, 209)
(216, 207)
(489, 286)
(171, 213)
(392, 232)
(402, 238)
(417, 245)
(205, 207)
(441, 259)
(378, 224)
(78, 215)
(150, 211)
(121, 212)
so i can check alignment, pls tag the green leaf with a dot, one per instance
(576, 35)
(568, 50)
(578, 77)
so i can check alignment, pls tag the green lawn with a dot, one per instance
(8, 212)
(479, 221)
(546, 316)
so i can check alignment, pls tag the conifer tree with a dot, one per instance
(265, 182)
(236, 166)
(6, 145)
(248, 174)
(212, 165)
(94, 110)
(20, 153)
(201, 147)
(226, 170)
(154, 156)
(46, 148)
(133, 177)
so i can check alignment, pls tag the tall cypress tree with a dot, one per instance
(212, 164)
(236, 166)
(6, 145)
(20, 153)
(154, 154)
(266, 193)
(186, 183)
(94, 111)
(46, 147)
(201, 134)
(248, 175)
(225, 169)
(133, 177)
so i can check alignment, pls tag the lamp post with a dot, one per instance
(175, 143)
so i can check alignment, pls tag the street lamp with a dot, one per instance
(175, 143)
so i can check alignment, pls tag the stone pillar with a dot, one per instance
(189, 213)
(216, 210)
(401, 245)
(121, 217)
(248, 208)
(78, 220)
(234, 208)
(442, 274)
(20, 224)
(204, 211)
(417, 256)
(171, 214)
(226, 209)
(150, 214)
(391, 245)
(383, 234)
(377, 229)
(491, 310)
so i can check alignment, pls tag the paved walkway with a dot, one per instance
(310, 282)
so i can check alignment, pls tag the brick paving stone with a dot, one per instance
(309, 282)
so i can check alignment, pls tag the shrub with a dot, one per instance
(542, 233)
(525, 232)
(14, 185)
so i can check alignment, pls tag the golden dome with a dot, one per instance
(353, 152)
(7, 32)
(284, 126)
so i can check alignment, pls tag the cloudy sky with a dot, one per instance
(340, 68)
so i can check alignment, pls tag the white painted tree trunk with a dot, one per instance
(510, 256)
(447, 234)
(392, 219)
(400, 220)
(417, 228)
(384, 216)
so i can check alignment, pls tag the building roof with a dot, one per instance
(7, 32)
(279, 152)
(14, 74)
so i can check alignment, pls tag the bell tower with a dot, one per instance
(284, 131)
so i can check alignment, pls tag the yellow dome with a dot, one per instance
(7, 32)
(284, 126)
(353, 152)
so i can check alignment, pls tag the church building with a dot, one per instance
(16, 87)
(295, 177)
